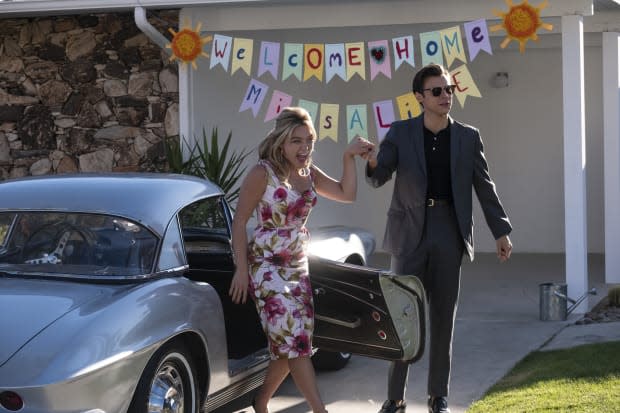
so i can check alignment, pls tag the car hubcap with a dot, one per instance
(166, 395)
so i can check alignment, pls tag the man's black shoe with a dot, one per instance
(438, 405)
(392, 406)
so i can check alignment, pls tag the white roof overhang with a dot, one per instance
(289, 14)
(405, 11)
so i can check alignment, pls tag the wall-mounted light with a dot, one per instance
(500, 79)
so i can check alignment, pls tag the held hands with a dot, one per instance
(372, 158)
(504, 248)
(359, 146)
(239, 288)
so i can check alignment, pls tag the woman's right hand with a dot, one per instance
(360, 147)
(239, 287)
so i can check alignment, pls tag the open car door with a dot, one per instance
(367, 311)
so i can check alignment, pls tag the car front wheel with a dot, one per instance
(330, 360)
(168, 384)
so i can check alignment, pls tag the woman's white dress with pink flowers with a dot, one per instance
(280, 284)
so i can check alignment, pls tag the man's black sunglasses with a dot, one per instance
(436, 91)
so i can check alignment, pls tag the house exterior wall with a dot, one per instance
(521, 126)
(84, 93)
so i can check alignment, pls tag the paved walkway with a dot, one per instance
(497, 325)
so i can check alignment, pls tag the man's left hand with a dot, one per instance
(504, 248)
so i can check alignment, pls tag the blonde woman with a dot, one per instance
(273, 267)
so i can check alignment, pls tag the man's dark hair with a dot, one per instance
(429, 70)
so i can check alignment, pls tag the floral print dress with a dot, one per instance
(279, 283)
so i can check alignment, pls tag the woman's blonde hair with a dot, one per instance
(270, 149)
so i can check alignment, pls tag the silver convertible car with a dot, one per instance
(113, 299)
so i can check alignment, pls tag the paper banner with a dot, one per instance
(408, 106)
(254, 96)
(311, 107)
(335, 61)
(355, 60)
(279, 100)
(269, 59)
(357, 121)
(430, 45)
(465, 85)
(379, 58)
(292, 62)
(403, 51)
(328, 122)
(452, 44)
(220, 52)
(313, 61)
(384, 116)
(242, 55)
(477, 35)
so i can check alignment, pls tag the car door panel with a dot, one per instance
(367, 311)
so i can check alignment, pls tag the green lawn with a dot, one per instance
(577, 380)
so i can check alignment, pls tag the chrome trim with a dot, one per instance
(65, 276)
(338, 322)
(234, 391)
(357, 343)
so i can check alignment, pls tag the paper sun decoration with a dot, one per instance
(521, 23)
(187, 45)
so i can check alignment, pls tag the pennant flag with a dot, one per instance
(279, 100)
(293, 60)
(254, 96)
(242, 55)
(313, 61)
(355, 60)
(269, 59)
(220, 51)
(465, 85)
(384, 116)
(357, 121)
(408, 106)
(335, 61)
(379, 57)
(452, 44)
(477, 35)
(430, 44)
(403, 51)
(328, 123)
(311, 107)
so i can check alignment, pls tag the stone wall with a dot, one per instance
(87, 93)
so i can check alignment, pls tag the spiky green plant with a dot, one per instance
(208, 160)
(174, 156)
(215, 164)
(614, 296)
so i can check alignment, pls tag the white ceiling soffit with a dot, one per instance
(404, 11)
(339, 13)
(24, 8)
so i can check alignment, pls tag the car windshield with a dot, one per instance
(67, 243)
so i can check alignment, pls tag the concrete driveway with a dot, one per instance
(497, 325)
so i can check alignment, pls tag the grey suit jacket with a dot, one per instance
(402, 151)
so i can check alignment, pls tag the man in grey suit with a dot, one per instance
(437, 161)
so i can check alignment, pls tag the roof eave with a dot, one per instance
(33, 8)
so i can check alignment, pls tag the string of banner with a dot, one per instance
(347, 60)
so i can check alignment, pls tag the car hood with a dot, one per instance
(28, 306)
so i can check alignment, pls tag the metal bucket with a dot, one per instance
(553, 303)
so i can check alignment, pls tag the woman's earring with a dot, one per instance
(304, 172)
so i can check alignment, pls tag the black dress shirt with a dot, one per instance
(437, 152)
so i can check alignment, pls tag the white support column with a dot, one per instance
(186, 107)
(611, 132)
(574, 159)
